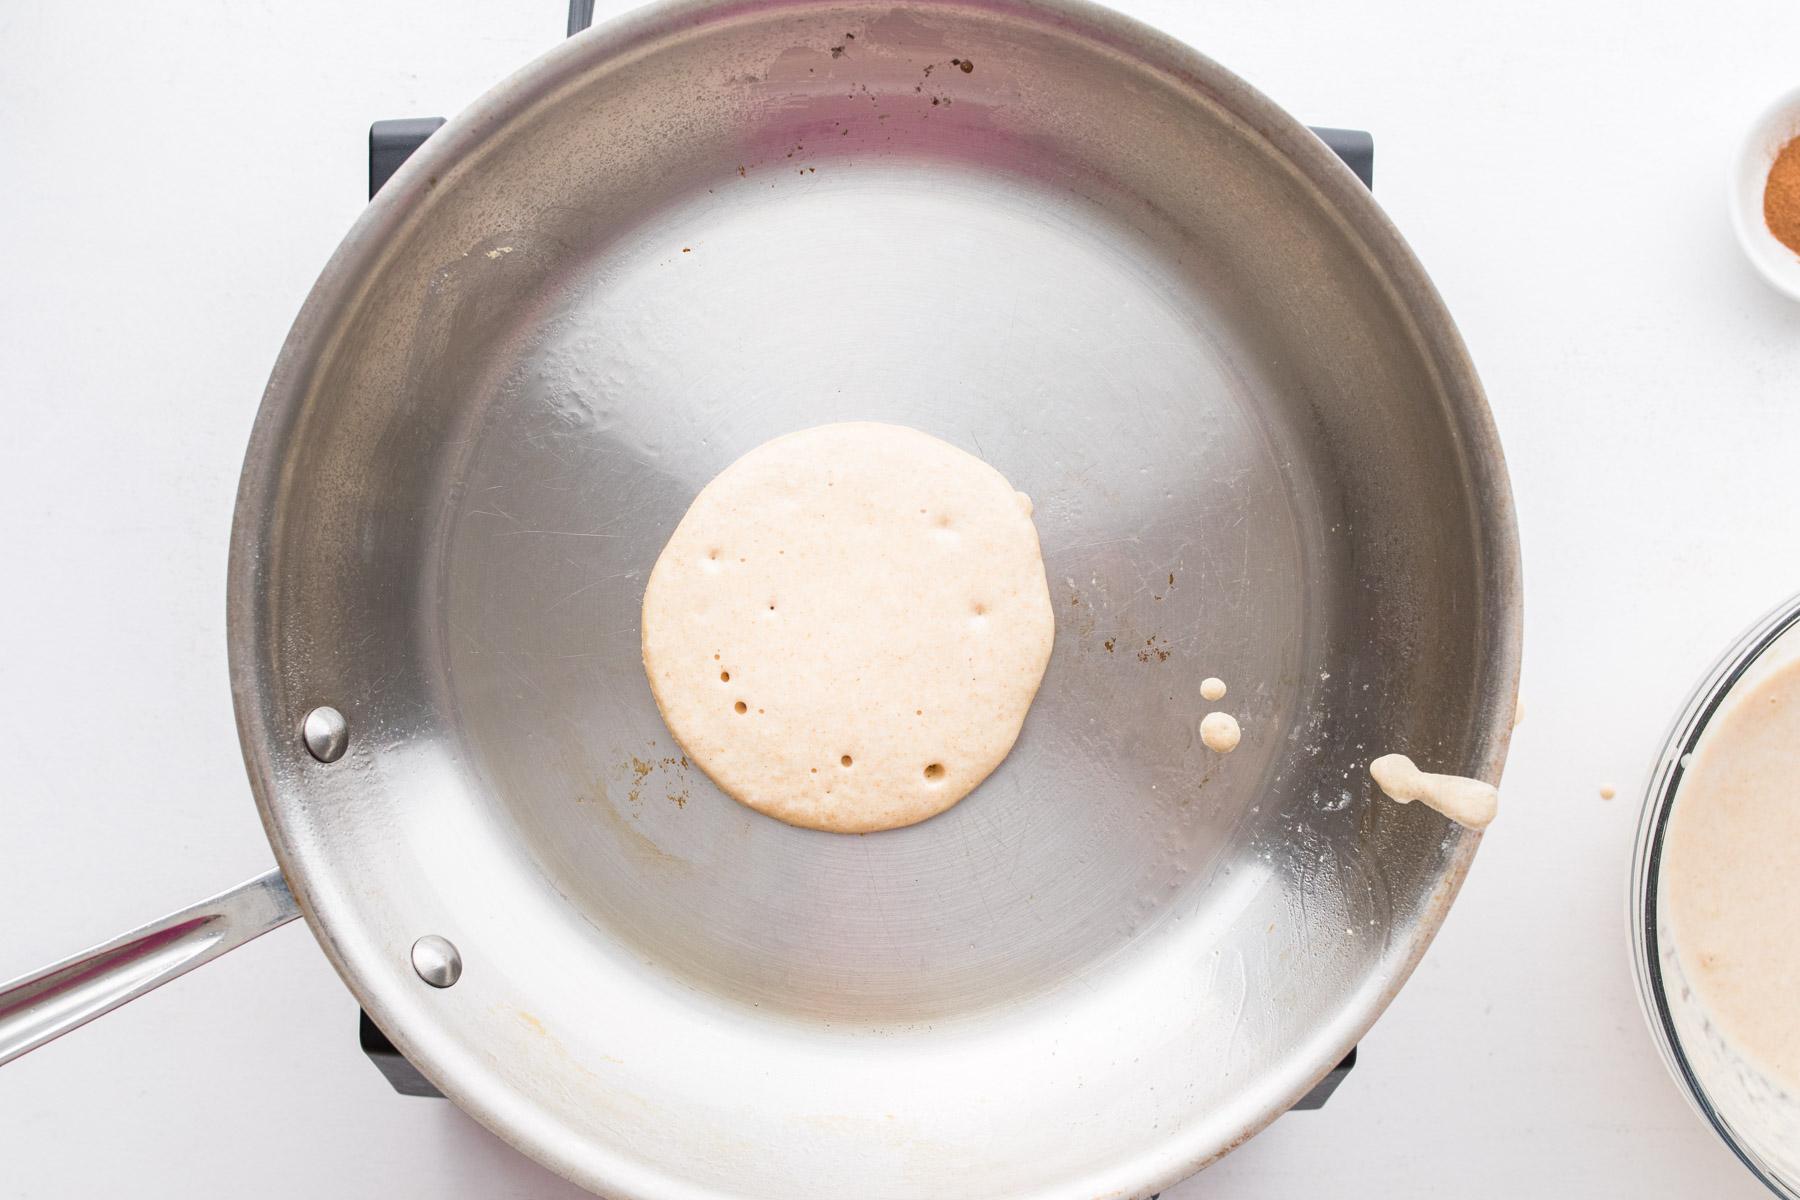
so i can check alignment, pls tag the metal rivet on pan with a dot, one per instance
(326, 733)
(436, 960)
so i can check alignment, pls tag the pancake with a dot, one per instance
(848, 626)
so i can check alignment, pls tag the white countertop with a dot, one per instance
(176, 175)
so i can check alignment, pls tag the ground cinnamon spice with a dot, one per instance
(1781, 196)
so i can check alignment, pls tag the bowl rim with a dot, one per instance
(1666, 775)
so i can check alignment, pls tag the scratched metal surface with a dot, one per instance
(1095, 259)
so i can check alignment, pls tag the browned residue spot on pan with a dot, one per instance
(642, 770)
(628, 826)
(1155, 650)
(678, 797)
(633, 841)
(610, 817)
(1085, 622)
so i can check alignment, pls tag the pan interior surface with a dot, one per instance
(1049, 237)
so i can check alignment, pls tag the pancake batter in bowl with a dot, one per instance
(1730, 880)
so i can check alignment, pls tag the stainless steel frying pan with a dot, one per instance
(1048, 235)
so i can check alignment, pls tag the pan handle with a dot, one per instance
(44, 1005)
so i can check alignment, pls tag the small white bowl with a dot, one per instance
(1749, 174)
